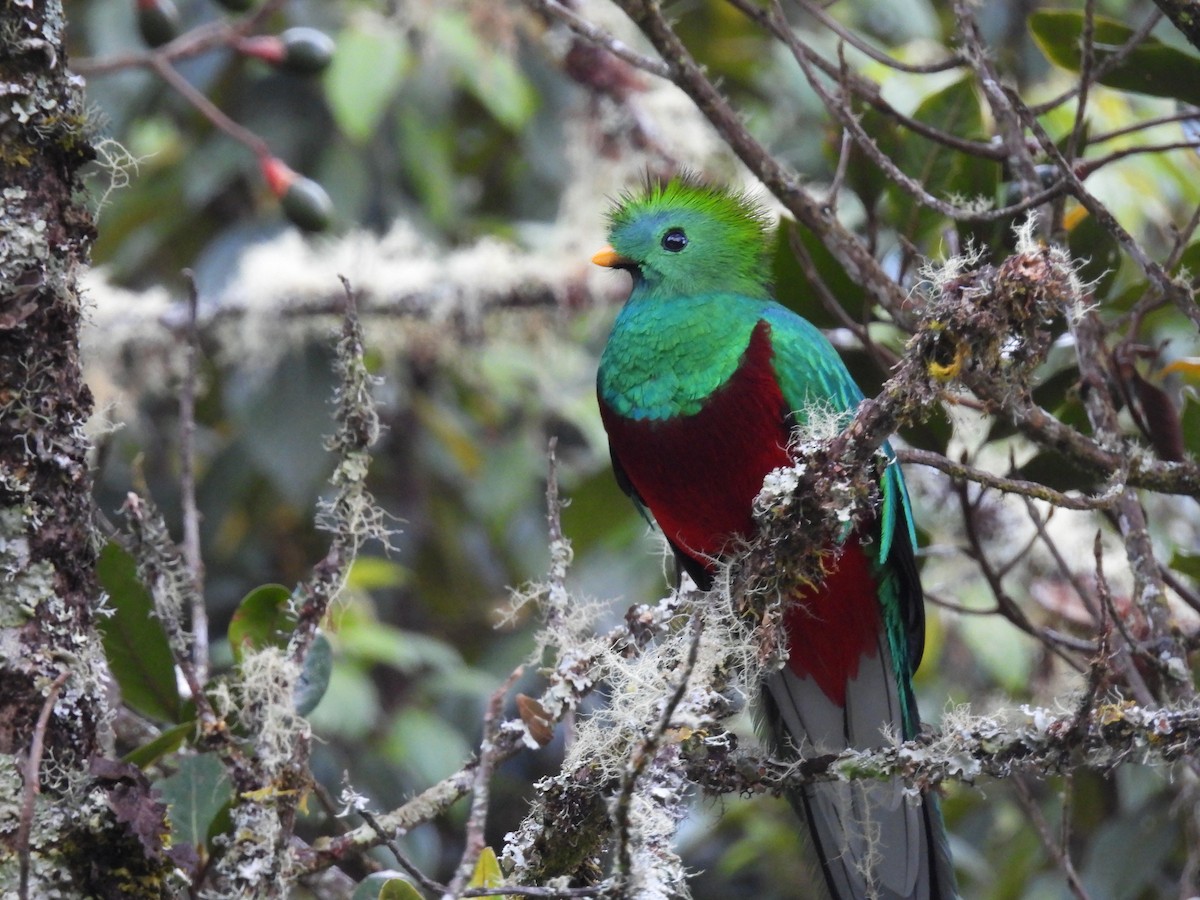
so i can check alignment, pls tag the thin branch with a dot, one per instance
(1178, 293)
(1149, 591)
(1032, 489)
(481, 789)
(32, 776)
(688, 75)
(1087, 167)
(1006, 605)
(168, 73)
(187, 487)
(1019, 157)
(1078, 129)
(818, 12)
(1146, 124)
(1059, 850)
(387, 840)
(869, 91)
(1110, 62)
(598, 36)
(1128, 647)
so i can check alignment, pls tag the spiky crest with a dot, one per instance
(728, 231)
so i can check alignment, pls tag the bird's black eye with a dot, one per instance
(674, 240)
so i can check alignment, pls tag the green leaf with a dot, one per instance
(314, 677)
(1186, 563)
(1189, 421)
(944, 173)
(134, 641)
(399, 889)
(263, 619)
(195, 795)
(1151, 68)
(487, 872)
(351, 708)
(167, 742)
(491, 76)
(426, 144)
(1189, 260)
(366, 72)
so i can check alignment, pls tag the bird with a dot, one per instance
(701, 384)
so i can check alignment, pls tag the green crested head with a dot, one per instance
(683, 237)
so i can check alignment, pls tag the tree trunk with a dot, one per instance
(67, 822)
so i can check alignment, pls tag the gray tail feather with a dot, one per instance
(851, 870)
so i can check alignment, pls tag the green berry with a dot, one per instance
(307, 205)
(306, 50)
(158, 21)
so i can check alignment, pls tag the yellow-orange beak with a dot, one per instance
(611, 259)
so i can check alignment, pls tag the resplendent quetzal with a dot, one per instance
(701, 383)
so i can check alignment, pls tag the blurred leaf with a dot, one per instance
(425, 744)
(1190, 422)
(864, 177)
(195, 794)
(426, 147)
(1151, 68)
(1149, 833)
(366, 72)
(1187, 563)
(1189, 260)
(135, 644)
(1163, 427)
(281, 419)
(491, 76)
(350, 708)
(406, 651)
(399, 889)
(369, 573)
(447, 428)
(487, 872)
(314, 677)
(1098, 252)
(1002, 651)
(263, 619)
(794, 289)
(168, 742)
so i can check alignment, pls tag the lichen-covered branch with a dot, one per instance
(63, 838)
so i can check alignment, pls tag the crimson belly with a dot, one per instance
(698, 475)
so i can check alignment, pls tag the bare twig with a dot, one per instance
(31, 788)
(688, 75)
(187, 487)
(598, 36)
(481, 790)
(1060, 851)
(1110, 62)
(818, 12)
(168, 73)
(840, 109)
(1032, 489)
